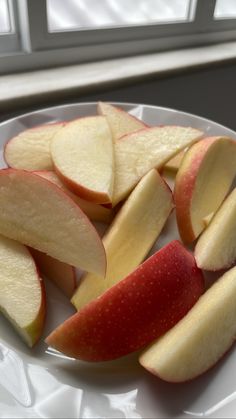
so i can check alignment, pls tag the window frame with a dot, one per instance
(39, 48)
(10, 41)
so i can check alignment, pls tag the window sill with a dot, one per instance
(46, 85)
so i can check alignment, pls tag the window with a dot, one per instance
(36, 34)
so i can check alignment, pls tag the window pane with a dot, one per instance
(225, 9)
(92, 14)
(5, 24)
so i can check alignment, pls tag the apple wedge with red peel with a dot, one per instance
(202, 182)
(135, 311)
(37, 213)
(94, 212)
(22, 296)
(143, 150)
(120, 121)
(216, 247)
(30, 149)
(200, 339)
(62, 274)
(131, 235)
(82, 154)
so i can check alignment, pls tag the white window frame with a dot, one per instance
(10, 42)
(39, 48)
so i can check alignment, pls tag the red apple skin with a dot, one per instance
(134, 312)
(184, 187)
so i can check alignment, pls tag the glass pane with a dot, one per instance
(225, 9)
(5, 24)
(92, 14)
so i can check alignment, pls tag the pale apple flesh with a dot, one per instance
(62, 274)
(37, 213)
(22, 296)
(174, 163)
(30, 149)
(135, 311)
(82, 154)
(120, 121)
(216, 247)
(131, 235)
(202, 183)
(94, 212)
(200, 339)
(143, 150)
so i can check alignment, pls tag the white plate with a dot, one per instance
(41, 383)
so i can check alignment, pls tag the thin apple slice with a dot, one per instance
(121, 122)
(216, 247)
(30, 150)
(200, 339)
(37, 213)
(174, 163)
(62, 274)
(94, 212)
(131, 235)
(203, 180)
(139, 152)
(82, 154)
(136, 310)
(22, 296)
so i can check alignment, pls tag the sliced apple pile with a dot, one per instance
(30, 150)
(203, 180)
(37, 213)
(200, 339)
(140, 220)
(136, 310)
(139, 152)
(82, 154)
(120, 122)
(93, 211)
(216, 247)
(22, 293)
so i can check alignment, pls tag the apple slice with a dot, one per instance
(82, 154)
(62, 274)
(131, 235)
(139, 152)
(120, 122)
(200, 339)
(30, 150)
(216, 247)
(202, 182)
(135, 311)
(22, 296)
(37, 213)
(94, 212)
(174, 163)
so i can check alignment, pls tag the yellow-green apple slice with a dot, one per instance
(82, 154)
(135, 311)
(216, 247)
(130, 236)
(37, 213)
(139, 152)
(22, 293)
(94, 212)
(202, 182)
(200, 339)
(174, 163)
(30, 150)
(62, 274)
(120, 121)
